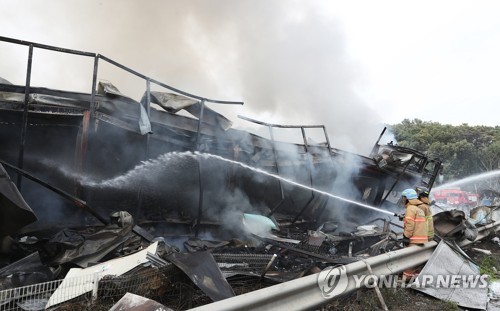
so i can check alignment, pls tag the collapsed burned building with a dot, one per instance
(86, 156)
(78, 157)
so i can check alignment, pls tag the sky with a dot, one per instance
(354, 66)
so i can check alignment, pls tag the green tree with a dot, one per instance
(465, 150)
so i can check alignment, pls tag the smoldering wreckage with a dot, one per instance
(105, 200)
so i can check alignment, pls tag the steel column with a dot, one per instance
(376, 145)
(200, 171)
(76, 201)
(310, 165)
(24, 125)
(94, 85)
(327, 140)
(396, 181)
(282, 191)
(146, 152)
(81, 150)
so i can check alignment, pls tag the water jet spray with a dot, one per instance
(468, 179)
(207, 155)
(150, 166)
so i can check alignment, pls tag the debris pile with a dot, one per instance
(96, 266)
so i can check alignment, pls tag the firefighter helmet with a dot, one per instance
(409, 194)
(422, 191)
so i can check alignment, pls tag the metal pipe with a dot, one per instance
(148, 97)
(305, 293)
(83, 53)
(275, 156)
(216, 101)
(24, 124)
(304, 137)
(200, 120)
(64, 194)
(377, 290)
(396, 181)
(140, 75)
(200, 171)
(80, 203)
(148, 111)
(81, 150)
(123, 67)
(310, 166)
(376, 145)
(46, 47)
(269, 264)
(437, 167)
(489, 226)
(94, 84)
(282, 191)
(306, 146)
(327, 140)
(279, 125)
(304, 208)
(146, 152)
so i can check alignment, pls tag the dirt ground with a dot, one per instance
(403, 299)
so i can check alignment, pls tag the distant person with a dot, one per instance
(423, 195)
(415, 225)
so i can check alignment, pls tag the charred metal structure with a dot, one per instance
(78, 157)
(104, 134)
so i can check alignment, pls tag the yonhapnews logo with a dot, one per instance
(333, 281)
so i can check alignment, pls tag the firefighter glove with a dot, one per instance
(406, 241)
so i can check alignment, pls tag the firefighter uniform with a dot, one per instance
(428, 216)
(415, 222)
(415, 225)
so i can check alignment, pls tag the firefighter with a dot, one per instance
(423, 195)
(415, 225)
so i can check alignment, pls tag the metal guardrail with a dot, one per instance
(304, 293)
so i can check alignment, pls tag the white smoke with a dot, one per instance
(285, 60)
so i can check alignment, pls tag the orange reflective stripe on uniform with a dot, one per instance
(415, 225)
(418, 219)
(423, 238)
(428, 217)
